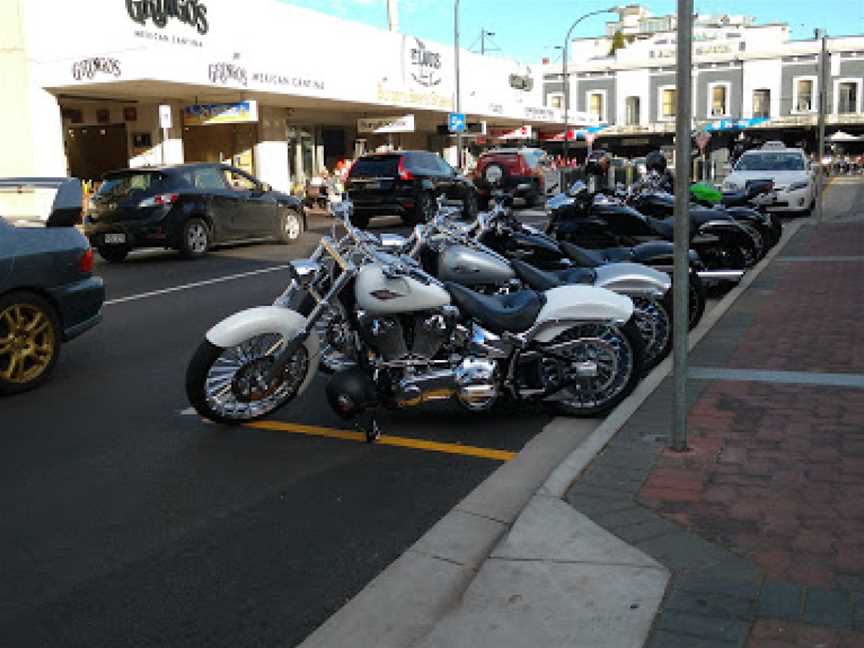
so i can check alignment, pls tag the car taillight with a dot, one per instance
(85, 265)
(404, 174)
(158, 201)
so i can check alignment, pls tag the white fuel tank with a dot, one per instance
(375, 293)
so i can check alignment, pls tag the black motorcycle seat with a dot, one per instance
(735, 199)
(664, 228)
(618, 254)
(542, 280)
(516, 312)
(582, 256)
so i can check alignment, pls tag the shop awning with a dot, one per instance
(575, 134)
(722, 125)
(843, 136)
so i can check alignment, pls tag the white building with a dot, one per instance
(273, 88)
(746, 77)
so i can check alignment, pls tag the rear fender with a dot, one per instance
(567, 305)
(729, 232)
(250, 323)
(633, 280)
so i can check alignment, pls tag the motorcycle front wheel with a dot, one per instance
(616, 358)
(230, 385)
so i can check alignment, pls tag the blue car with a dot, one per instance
(48, 294)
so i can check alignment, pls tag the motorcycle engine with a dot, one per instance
(420, 337)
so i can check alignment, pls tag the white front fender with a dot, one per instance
(253, 322)
(583, 304)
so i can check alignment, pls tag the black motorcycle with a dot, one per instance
(507, 236)
(603, 221)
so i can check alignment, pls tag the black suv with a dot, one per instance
(188, 207)
(406, 183)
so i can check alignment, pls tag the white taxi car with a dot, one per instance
(794, 184)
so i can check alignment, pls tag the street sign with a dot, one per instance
(165, 116)
(456, 123)
(702, 139)
(401, 124)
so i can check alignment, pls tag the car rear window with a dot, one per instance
(120, 185)
(385, 166)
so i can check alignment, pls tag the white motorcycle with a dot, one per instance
(407, 339)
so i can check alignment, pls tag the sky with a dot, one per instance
(529, 30)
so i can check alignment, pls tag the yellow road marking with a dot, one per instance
(402, 442)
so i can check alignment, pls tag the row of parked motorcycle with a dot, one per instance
(569, 318)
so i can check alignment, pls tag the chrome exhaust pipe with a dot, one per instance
(721, 275)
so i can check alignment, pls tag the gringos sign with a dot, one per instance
(191, 12)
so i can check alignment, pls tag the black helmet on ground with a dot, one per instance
(656, 161)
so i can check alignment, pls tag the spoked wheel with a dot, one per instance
(605, 365)
(655, 325)
(334, 333)
(29, 342)
(230, 385)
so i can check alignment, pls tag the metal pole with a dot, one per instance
(459, 156)
(681, 277)
(566, 78)
(566, 81)
(823, 109)
(483, 42)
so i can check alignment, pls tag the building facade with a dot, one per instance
(275, 89)
(747, 78)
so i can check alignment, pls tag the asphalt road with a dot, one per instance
(127, 522)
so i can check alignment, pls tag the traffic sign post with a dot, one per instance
(166, 122)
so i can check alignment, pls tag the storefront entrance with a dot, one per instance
(92, 151)
(229, 143)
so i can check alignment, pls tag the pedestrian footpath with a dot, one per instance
(761, 523)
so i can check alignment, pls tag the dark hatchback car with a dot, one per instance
(48, 295)
(188, 207)
(406, 184)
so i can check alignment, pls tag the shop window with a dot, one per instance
(668, 100)
(762, 103)
(632, 106)
(804, 95)
(719, 94)
(556, 101)
(847, 99)
(596, 105)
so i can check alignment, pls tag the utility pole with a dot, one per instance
(822, 81)
(483, 35)
(681, 274)
(393, 15)
(459, 155)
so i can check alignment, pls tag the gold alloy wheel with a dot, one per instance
(27, 343)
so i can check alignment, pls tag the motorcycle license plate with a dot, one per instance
(115, 239)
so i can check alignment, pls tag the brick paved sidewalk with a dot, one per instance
(762, 522)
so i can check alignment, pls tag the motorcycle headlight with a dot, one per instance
(797, 186)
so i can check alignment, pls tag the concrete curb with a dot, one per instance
(446, 576)
(568, 471)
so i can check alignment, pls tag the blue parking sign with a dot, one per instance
(456, 123)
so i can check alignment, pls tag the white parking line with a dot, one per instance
(197, 284)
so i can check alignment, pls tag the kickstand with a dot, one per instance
(368, 425)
